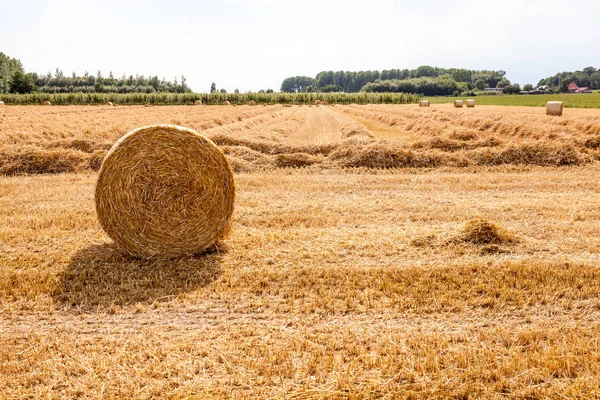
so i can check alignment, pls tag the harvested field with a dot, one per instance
(63, 139)
(376, 252)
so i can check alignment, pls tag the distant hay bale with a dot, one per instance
(198, 102)
(1, 103)
(226, 103)
(251, 103)
(458, 103)
(424, 103)
(109, 103)
(318, 102)
(46, 103)
(165, 191)
(554, 108)
(325, 103)
(470, 103)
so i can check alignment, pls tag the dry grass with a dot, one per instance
(319, 292)
(481, 231)
(365, 136)
(335, 283)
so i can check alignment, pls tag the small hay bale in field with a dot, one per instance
(251, 103)
(325, 103)
(198, 102)
(318, 103)
(46, 103)
(458, 103)
(554, 108)
(424, 103)
(470, 103)
(109, 103)
(226, 103)
(481, 231)
(165, 191)
(1, 103)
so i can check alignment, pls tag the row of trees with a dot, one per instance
(348, 81)
(588, 77)
(13, 79)
(439, 86)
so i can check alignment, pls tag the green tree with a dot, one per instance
(480, 84)
(564, 85)
(527, 87)
(22, 83)
(503, 83)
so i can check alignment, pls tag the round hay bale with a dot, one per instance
(318, 102)
(458, 103)
(325, 102)
(46, 103)
(226, 103)
(424, 103)
(251, 103)
(470, 103)
(165, 191)
(554, 108)
(1, 103)
(109, 103)
(198, 102)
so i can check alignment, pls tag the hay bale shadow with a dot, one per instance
(100, 276)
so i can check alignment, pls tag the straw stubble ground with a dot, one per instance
(334, 284)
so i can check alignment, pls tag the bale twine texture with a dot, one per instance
(458, 103)
(198, 102)
(165, 191)
(470, 103)
(424, 103)
(46, 103)
(251, 103)
(554, 108)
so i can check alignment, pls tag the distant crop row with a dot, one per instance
(591, 100)
(209, 99)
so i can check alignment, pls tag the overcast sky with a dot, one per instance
(255, 44)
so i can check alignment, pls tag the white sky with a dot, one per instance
(255, 44)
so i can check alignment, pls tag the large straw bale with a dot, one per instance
(458, 103)
(165, 191)
(470, 103)
(251, 103)
(424, 103)
(554, 108)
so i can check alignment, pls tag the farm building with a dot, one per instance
(494, 90)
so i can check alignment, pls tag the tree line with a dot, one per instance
(350, 82)
(14, 79)
(588, 77)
